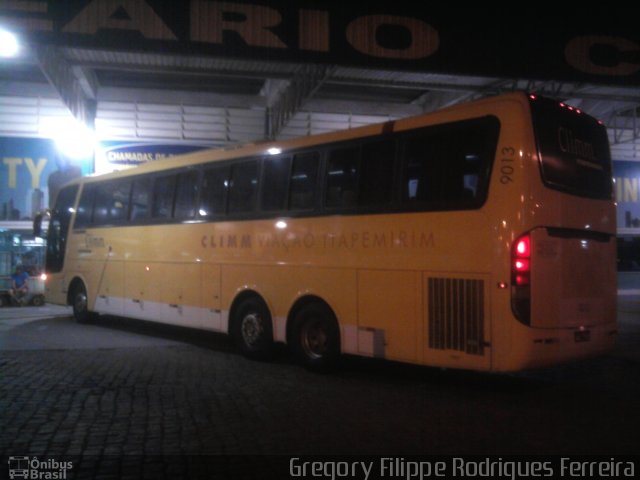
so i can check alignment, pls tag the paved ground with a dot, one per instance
(129, 399)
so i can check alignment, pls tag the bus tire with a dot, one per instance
(253, 329)
(80, 302)
(316, 337)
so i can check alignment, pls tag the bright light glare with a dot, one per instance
(8, 44)
(281, 224)
(78, 146)
(73, 139)
(274, 151)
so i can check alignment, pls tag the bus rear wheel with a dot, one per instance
(253, 330)
(316, 337)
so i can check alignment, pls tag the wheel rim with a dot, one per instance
(314, 339)
(251, 329)
(80, 302)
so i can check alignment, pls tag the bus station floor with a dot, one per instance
(46, 311)
(132, 400)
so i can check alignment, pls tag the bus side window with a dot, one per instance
(471, 179)
(186, 195)
(100, 205)
(119, 206)
(275, 182)
(422, 170)
(244, 187)
(215, 184)
(302, 185)
(111, 202)
(163, 193)
(342, 178)
(140, 198)
(377, 173)
(84, 215)
(448, 166)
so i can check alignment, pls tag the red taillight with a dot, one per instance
(521, 278)
(521, 261)
(523, 247)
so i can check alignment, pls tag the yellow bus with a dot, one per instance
(480, 237)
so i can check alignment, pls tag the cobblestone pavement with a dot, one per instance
(129, 399)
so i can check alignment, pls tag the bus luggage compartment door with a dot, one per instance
(573, 278)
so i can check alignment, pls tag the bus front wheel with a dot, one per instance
(80, 303)
(253, 330)
(316, 337)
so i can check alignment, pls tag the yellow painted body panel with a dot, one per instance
(396, 311)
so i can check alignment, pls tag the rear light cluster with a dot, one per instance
(534, 97)
(570, 108)
(522, 261)
(521, 279)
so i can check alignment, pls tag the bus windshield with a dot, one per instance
(573, 149)
(59, 229)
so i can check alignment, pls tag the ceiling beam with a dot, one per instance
(75, 86)
(287, 99)
(355, 107)
(624, 126)
(180, 97)
(87, 81)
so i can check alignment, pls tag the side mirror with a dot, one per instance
(37, 222)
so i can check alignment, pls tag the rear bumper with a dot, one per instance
(539, 347)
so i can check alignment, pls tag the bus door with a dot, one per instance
(59, 229)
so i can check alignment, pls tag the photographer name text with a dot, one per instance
(458, 467)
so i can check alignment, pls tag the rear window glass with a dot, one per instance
(574, 150)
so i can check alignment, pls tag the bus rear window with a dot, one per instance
(573, 148)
